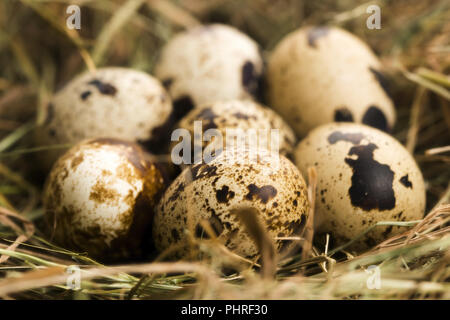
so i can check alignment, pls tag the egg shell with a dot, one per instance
(364, 176)
(111, 102)
(271, 184)
(209, 63)
(329, 72)
(100, 197)
(244, 115)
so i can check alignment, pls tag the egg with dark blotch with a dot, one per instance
(245, 115)
(329, 72)
(209, 63)
(364, 176)
(238, 177)
(110, 102)
(100, 196)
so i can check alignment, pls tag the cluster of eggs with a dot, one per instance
(112, 196)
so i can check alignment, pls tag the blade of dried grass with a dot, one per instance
(5, 215)
(354, 12)
(412, 250)
(435, 219)
(434, 76)
(227, 255)
(23, 233)
(136, 289)
(308, 232)
(213, 245)
(116, 22)
(45, 92)
(15, 136)
(191, 207)
(29, 258)
(427, 84)
(38, 254)
(445, 107)
(438, 211)
(32, 279)
(437, 150)
(73, 36)
(415, 119)
(173, 13)
(142, 283)
(256, 229)
(21, 238)
(44, 278)
(291, 264)
(21, 182)
(4, 202)
(24, 61)
(380, 223)
(208, 229)
(16, 152)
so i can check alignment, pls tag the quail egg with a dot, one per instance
(209, 63)
(242, 115)
(100, 197)
(237, 177)
(364, 176)
(329, 72)
(112, 102)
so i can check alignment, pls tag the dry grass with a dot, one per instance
(38, 54)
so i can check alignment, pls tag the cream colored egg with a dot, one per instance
(100, 197)
(209, 63)
(112, 102)
(364, 176)
(238, 177)
(317, 75)
(246, 117)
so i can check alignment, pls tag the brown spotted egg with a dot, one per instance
(209, 63)
(364, 176)
(242, 115)
(111, 102)
(237, 177)
(100, 197)
(317, 75)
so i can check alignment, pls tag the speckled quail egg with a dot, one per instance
(244, 115)
(112, 102)
(237, 177)
(317, 75)
(100, 197)
(209, 63)
(364, 176)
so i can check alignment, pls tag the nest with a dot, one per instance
(38, 54)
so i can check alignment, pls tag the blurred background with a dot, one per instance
(39, 54)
